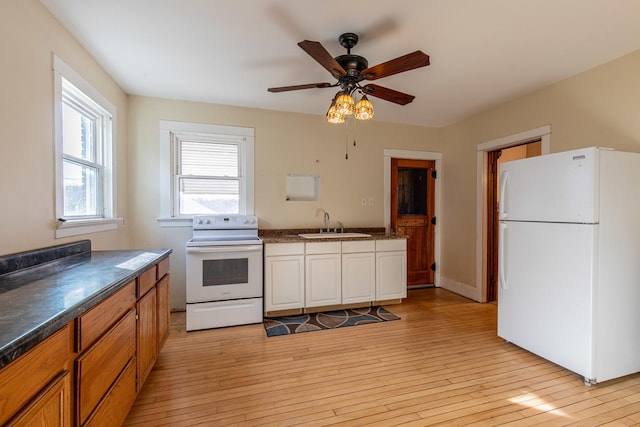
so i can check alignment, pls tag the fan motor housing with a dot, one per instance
(352, 64)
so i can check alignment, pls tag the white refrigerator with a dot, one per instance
(569, 260)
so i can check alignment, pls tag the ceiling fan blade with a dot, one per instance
(401, 64)
(388, 94)
(298, 87)
(324, 58)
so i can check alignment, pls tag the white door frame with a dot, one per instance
(542, 133)
(415, 155)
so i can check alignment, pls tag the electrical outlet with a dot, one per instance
(371, 201)
(363, 201)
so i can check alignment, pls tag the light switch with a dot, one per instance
(364, 201)
(371, 201)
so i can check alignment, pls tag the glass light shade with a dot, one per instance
(345, 104)
(333, 116)
(364, 109)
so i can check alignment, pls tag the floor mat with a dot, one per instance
(285, 325)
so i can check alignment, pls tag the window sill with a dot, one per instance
(76, 227)
(175, 221)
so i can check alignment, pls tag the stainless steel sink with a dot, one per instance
(332, 235)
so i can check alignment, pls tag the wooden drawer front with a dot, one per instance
(359, 246)
(322, 248)
(113, 409)
(391, 245)
(23, 378)
(97, 369)
(278, 249)
(163, 268)
(51, 407)
(95, 322)
(146, 281)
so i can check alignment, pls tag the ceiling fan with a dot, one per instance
(350, 70)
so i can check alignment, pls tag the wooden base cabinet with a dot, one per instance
(90, 371)
(147, 335)
(35, 389)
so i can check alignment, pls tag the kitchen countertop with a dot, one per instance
(291, 235)
(43, 290)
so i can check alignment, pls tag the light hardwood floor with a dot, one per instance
(441, 364)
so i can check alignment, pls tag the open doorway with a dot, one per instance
(495, 159)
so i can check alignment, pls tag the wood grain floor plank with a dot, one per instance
(440, 364)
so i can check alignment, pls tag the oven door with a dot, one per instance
(219, 273)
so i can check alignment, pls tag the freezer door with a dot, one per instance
(559, 187)
(545, 293)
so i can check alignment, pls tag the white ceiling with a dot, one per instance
(483, 52)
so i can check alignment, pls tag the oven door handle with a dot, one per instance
(221, 249)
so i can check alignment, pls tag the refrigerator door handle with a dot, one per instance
(502, 281)
(502, 212)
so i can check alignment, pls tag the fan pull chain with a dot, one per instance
(354, 131)
(346, 139)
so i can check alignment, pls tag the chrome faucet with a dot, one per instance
(341, 225)
(326, 221)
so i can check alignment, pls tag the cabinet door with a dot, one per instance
(25, 377)
(51, 407)
(162, 289)
(323, 280)
(358, 277)
(284, 282)
(147, 335)
(391, 275)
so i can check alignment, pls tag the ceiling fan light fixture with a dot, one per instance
(345, 104)
(333, 116)
(364, 109)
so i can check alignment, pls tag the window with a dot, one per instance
(84, 127)
(210, 169)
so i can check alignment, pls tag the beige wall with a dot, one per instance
(600, 107)
(28, 36)
(284, 143)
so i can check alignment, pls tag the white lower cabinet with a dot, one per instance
(316, 274)
(284, 276)
(358, 271)
(391, 269)
(323, 278)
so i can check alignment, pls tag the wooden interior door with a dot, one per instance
(494, 159)
(412, 215)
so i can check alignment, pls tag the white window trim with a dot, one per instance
(74, 227)
(168, 217)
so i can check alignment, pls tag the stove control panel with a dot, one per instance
(220, 222)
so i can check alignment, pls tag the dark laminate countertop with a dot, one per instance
(291, 235)
(40, 294)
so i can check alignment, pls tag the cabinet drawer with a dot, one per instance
(98, 368)
(95, 322)
(113, 409)
(322, 248)
(50, 407)
(359, 246)
(391, 245)
(23, 378)
(163, 268)
(146, 281)
(277, 249)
